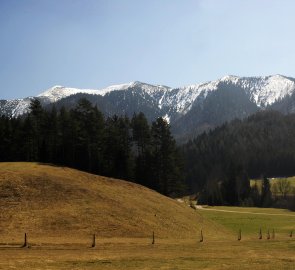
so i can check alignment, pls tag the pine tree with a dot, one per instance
(166, 165)
(118, 158)
(141, 136)
(35, 122)
(65, 138)
(52, 136)
(30, 141)
(89, 125)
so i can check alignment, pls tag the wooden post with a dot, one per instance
(153, 241)
(291, 233)
(25, 241)
(268, 235)
(201, 236)
(260, 234)
(93, 241)
(240, 235)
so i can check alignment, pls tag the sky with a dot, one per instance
(96, 43)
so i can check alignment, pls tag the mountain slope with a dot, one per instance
(51, 201)
(228, 103)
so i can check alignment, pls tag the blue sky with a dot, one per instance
(96, 43)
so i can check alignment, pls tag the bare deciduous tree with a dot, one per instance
(284, 187)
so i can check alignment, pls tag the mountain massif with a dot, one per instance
(189, 110)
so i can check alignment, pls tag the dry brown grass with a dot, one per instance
(136, 254)
(52, 203)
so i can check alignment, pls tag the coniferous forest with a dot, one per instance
(82, 138)
(217, 165)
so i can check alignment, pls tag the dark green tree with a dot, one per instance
(35, 128)
(166, 166)
(89, 126)
(118, 158)
(141, 136)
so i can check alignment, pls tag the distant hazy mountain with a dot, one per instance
(190, 109)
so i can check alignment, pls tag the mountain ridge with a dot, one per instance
(174, 104)
(185, 95)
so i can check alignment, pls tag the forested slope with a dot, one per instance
(220, 163)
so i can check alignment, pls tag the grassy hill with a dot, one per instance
(49, 201)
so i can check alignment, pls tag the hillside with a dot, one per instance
(54, 201)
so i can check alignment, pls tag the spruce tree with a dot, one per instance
(166, 165)
(118, 158)
(141, 136)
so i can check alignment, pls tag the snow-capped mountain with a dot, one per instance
(189, 109)
(58, 92)
(262, 91)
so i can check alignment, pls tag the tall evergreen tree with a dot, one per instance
(166, 165)
(66, 138)
(30, 140)
(118, 160)
(141, 135)
(36, 124)
(89, 124)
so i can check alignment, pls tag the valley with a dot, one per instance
(145, 135)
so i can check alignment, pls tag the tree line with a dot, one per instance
(220, 163)
(82, 138)
(217, 165)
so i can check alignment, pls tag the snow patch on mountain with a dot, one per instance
(166, 118)
(116, 87)
(22, 107)
(15, 107)
(187, 95)
(58, 92)
(271, 89)
(265, 90)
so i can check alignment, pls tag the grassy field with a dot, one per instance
(60, 208)
(163, 255)
(251, 219)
